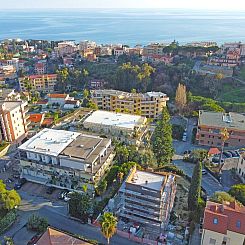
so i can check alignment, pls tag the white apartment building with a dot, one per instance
(65, 159)
(126, 128)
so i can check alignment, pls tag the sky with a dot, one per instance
(185, 4)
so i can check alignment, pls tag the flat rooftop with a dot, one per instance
(222, 120)
(49, 142)
(149, 180)
(114, 119)
(85, 147)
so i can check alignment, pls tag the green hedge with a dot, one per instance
(7, 221)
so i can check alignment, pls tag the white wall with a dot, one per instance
(69, 163)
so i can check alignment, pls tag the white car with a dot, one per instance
(184, 138)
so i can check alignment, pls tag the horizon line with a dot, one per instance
(126, 8)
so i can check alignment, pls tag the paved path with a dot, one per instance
(195, 238)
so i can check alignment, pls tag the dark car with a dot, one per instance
(233, 153)
(20, 183)
(50, 190)
(227, 154)
(33, 240)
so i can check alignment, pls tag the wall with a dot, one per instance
(69, 163)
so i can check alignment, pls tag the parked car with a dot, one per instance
(204, 171)
(184, 138)
(67, 196)
(233, 153)
(20, 183)
(33, 240)
(227, 154)
(62, 194)
(50, 190)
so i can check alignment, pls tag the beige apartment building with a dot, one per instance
(148, 199)
(13, 121)
(41, 83)
(154, 49)
(65, 159)
(211, 124)
(148, 105)
(223, 224)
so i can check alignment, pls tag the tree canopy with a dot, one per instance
(162, 139)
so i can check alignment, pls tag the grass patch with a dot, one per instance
(242, 73)
(232, 94)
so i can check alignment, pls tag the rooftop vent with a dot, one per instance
(227, 118)
(146, 182)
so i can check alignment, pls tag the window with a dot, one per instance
(215, 221)
(202, 135)
(238, 224)
(212, 241)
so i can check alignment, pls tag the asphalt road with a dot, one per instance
(56, 213)
(209, 183)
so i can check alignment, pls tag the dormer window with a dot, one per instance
(215, 221)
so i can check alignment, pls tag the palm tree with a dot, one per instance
(224, 137)
(108, 223)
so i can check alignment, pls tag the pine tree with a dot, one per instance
(162, 139)
(195, 188)
(181, 97)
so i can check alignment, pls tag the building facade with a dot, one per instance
(211, 124)
(41, 83)
(147, 105)
(240, 169)
(13, 121)
(223, 224)
(148, 199)
(65, 159)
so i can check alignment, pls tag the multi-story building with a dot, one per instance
(223, 224)
(127, 128)
(148, 199)
(40, 68)
(41, 83)
(65, 48)
(65, 159)
(154, 49)
(13, 121)
(9, 95)
(240, 169)
(147, 105)
(211, 124)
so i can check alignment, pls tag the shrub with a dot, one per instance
(37, 223)
(7, 220)
(238, 191)
(173, 169)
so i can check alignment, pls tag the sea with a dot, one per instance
(126, 26)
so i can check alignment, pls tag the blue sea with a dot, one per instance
(123, 26)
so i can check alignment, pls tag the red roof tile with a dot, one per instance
(35, 118)
(229, 217)
(57, 96)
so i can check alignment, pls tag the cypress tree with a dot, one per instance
(162, 139)
(195, 188)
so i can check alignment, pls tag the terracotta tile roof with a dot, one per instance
(55, 237)
(39, 65)
(71, 102)
(42, 102)
(57, 96)
(36, 118)
(41, 76)
(213, 151)
(221, 218)
(47, 121)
